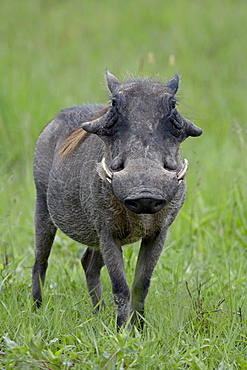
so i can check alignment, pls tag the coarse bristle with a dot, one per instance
(77, 135)
(71, 142)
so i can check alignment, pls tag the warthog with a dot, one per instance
(108, 176)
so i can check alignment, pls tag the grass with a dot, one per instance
(52, 55)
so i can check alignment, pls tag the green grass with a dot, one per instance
(53, 54)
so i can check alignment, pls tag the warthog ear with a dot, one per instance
(112, 81)
(191, 129)
(172, 84)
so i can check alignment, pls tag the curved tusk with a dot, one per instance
(106, 170)
(183, 171)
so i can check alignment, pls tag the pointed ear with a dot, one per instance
(172, 84)
(112, 81)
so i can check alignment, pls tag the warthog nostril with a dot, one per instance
(144, 205)
(131, 204)
(158, 204)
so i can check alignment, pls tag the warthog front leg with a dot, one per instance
(113, 258)
(44, 236)
(149, 254)
(92, 262)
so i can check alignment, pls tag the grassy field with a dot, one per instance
(53, 54)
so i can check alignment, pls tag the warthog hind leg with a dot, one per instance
(92, 263)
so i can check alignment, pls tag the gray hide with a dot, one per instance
(123, 182)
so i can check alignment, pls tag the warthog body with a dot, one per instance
(110, 176)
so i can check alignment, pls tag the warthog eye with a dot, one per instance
(174, 103)
(113, 103)
(112, 120)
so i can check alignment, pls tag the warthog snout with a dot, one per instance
(145, 201)
(145, 204)
(143, 186)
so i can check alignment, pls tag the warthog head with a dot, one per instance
(142, 131)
